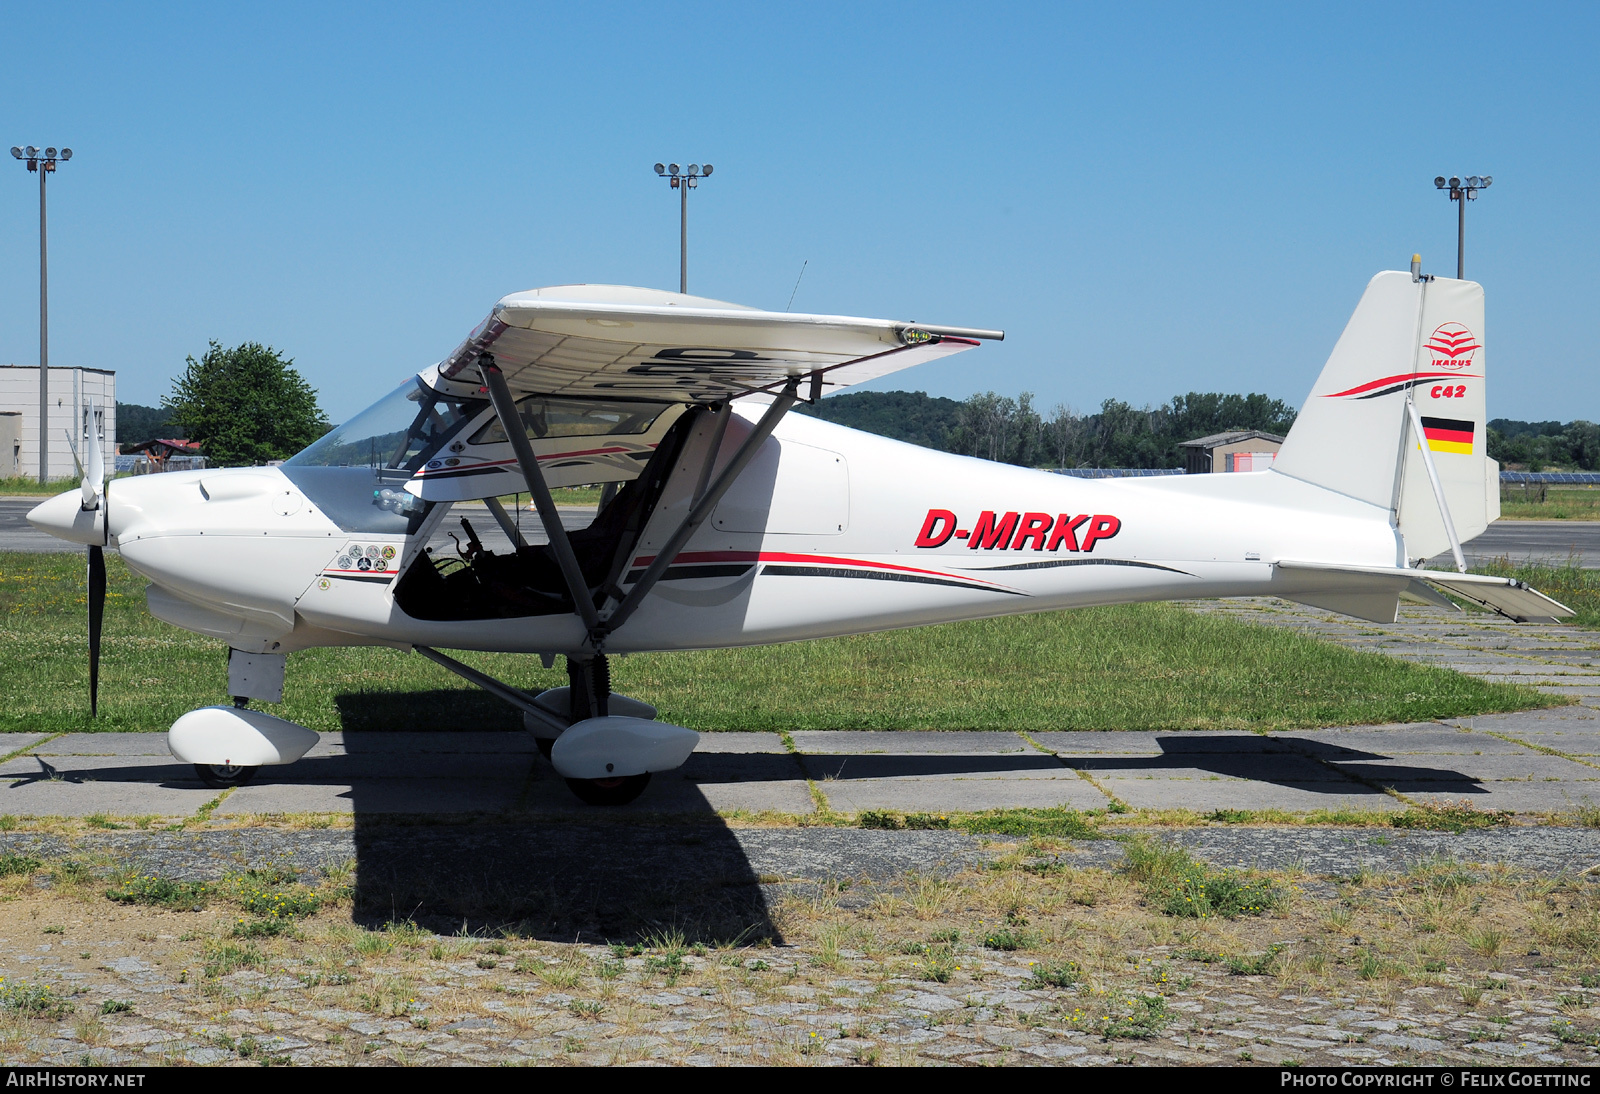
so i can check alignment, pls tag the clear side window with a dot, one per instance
(543, 416)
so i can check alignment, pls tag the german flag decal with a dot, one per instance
(1448, 435)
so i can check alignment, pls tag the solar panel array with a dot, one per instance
(1117, 472)
(1553, 478)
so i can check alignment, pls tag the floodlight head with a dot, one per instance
(661, 169)
(673, 168)
(694, 169)
(1439, 182)
(16, 153)
(49, 153)
(706, 170)
(1474, 181)
(32, 151)
(1487, 181)
(66, 153)
(1455, 183)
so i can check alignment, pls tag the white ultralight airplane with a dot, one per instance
(735, 524)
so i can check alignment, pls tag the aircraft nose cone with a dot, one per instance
(63, 517)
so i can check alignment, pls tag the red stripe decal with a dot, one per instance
(820, 560)
(1404, 376)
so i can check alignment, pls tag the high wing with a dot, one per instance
(620, 342)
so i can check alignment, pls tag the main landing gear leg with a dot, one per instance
(589, 678)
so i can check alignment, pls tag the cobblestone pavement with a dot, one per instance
(856, 947)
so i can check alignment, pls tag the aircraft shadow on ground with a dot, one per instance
(548, 867)
(1305, 763)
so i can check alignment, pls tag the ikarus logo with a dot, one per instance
(1451, 346)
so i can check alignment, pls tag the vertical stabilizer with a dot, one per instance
(1417, 340)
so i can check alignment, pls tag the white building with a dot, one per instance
(76, 396)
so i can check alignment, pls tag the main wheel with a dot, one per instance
(221, 776)
(609, 791)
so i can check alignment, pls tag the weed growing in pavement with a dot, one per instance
(1010, 938)
(161, 892)
(262, 928)
(1256, 965)
(1180, 886)
(221, 958)
(1147, 1015)
(116, 1006)
(1447, 817)
(33, 1001)
(892, 821)
(1055, 974)
(13, 865)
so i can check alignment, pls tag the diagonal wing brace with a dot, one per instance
(505, 406)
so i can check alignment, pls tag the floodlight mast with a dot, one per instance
(43, 162)
(1462, 190)
(683, 181)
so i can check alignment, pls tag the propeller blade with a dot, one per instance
(94, 474)
(97, 607)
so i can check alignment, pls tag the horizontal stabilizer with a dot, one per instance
(1513, 599)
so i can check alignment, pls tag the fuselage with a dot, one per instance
(830, 532)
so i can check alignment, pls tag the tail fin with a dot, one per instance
(1420, 341)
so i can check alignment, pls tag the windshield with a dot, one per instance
(358, 471)
(398, 432)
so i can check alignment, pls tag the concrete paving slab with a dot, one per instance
(374, 796)
(11, 742)
(1435, 740)
(129, 769)
(71, 798)
(1532, 765)
(1033, 765)
(941, 795)
(1086, 743)
(741, 742)
(758, 797)
(908, 742)
(1204, 795)
(106, 744)
(734, 767)
(1568, 742)
(465, 741)
(1517, 797)
(1282, 768)
(319, 769)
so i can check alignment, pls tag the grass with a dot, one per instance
(1566, 581)
(1561, 503)
(1152, 667)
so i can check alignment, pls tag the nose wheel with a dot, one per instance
(222, 776)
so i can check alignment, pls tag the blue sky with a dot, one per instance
(1149, 199)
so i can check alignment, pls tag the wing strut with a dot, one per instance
(706, 501)
(506, 408)
(504, 692)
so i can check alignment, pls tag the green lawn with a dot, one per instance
(1560, 503)
(1137, 667)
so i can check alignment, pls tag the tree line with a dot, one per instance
(1006, 430)
(1542, 446)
